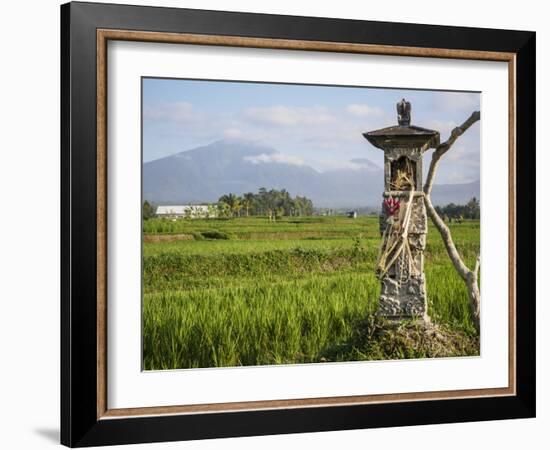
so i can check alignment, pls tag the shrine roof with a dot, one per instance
(402, 132)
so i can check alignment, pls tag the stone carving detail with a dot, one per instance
(405, 300)
(402, 307)
(404, 113)
(394, 153)
(417, 241)
(419, 221)
(390, 287)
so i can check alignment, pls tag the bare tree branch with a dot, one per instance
(444, 147)
(476, 268)
(469, 276)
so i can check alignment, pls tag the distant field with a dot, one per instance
(247, 291)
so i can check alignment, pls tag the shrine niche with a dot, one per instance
(401, 170)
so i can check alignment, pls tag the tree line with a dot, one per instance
(452, 211)
(273, 204)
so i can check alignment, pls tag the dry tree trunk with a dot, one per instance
(470, 277)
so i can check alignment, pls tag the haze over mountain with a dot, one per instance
(205, 173)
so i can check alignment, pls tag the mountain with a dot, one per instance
(205, 173)
(364, 163)
(443, 194)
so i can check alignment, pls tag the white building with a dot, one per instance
(186, 211)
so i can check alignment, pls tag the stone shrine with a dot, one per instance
(403, 221)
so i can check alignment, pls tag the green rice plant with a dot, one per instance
(256, 324)
(294, 291)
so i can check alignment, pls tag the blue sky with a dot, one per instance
(319, 126)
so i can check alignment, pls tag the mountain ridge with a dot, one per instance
(204, 173)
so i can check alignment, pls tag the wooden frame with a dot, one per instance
(86, 418)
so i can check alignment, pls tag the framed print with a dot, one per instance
(276, 224)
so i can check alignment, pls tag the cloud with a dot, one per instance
(458, 178)
(231, 133)
(172, 112)
(363, 110)
(469, 139)
(323, 137)
(456, 101)
(352, 164)
(289, 116)
(443, 126)
(275, 158)
(365, 163)
(463, 154)
(461, 164)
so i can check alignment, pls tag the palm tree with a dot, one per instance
(248, 201)
(211, 211)
(223, 209)
(233, 201)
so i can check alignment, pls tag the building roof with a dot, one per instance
(179, 209)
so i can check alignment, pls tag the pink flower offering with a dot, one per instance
(391, 205)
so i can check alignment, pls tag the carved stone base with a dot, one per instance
(406, 300)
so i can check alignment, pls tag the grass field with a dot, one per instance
(247, 291)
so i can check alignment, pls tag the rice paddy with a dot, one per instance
(250, 291)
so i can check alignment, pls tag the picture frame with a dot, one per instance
(86, 418)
